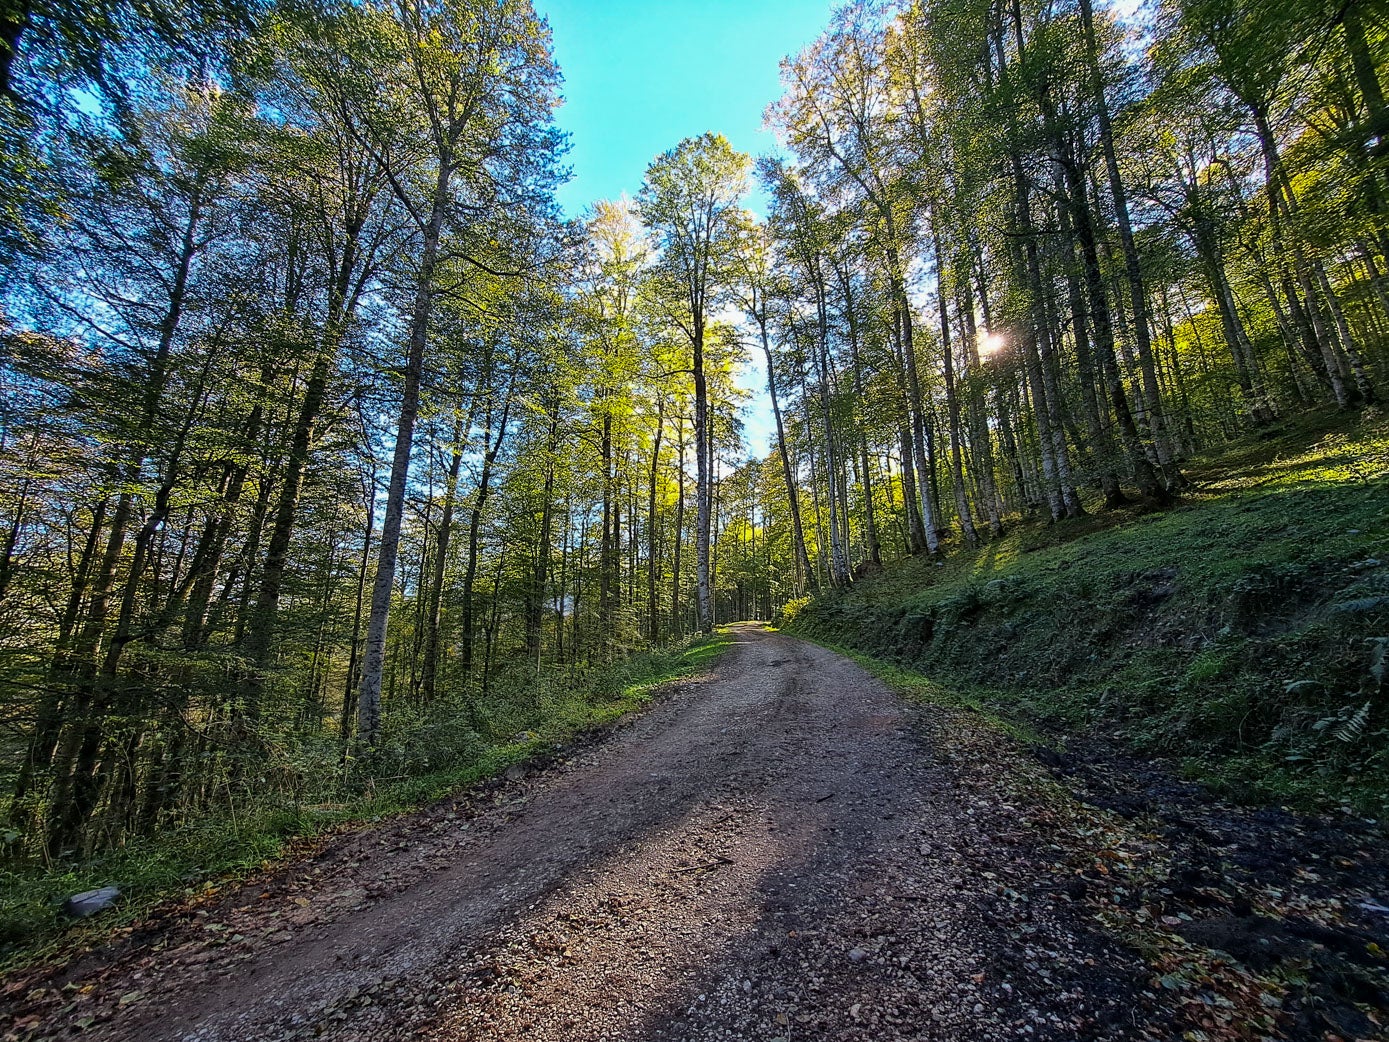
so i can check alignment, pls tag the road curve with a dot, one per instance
(781, 850)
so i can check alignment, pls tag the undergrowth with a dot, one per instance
(519, 723)
(1244, 632)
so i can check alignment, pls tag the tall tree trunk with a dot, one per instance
(653, 543)
(920, 435)
(540, 574)
(874, 553)
(607, 551)
(429, 669)
(422, 310)
(1138, 299)
(703, 479)
(952, 402)
(349, 693)
(1149, 482)
(980, 442)
(1366, 73)
(793, 497)
(493, 447)
(1037, 349)
(1094, 411)
(677, 618)
(1354, 360)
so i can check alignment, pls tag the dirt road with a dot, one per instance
(781, 850)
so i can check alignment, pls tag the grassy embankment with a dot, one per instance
(1244, 632)
(186, 860)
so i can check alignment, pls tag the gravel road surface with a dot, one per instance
(780, 850)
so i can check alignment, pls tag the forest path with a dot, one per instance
(782, 850)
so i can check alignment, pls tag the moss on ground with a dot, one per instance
(1244, 631)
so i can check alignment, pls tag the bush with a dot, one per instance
(791, 609)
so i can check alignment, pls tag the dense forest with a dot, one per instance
(326, 440)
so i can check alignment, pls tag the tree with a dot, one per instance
(691, 201)
(478, 80)
(757, 287)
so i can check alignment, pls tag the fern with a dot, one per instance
(1353, 726)
(1360, 606)
(1379, 658)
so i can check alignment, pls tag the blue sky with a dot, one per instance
(639, 77)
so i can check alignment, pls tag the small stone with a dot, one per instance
(857, 955)
(89, 902)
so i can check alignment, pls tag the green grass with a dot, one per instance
(1240, 632)
(184, 862)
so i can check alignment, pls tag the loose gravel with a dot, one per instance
(780, 851)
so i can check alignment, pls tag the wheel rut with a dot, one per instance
(779, 851)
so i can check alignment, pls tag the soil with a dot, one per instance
(780, 850)
(1302, 900)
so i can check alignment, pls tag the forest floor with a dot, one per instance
(783, 849)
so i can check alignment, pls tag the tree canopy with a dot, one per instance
(330, 448)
